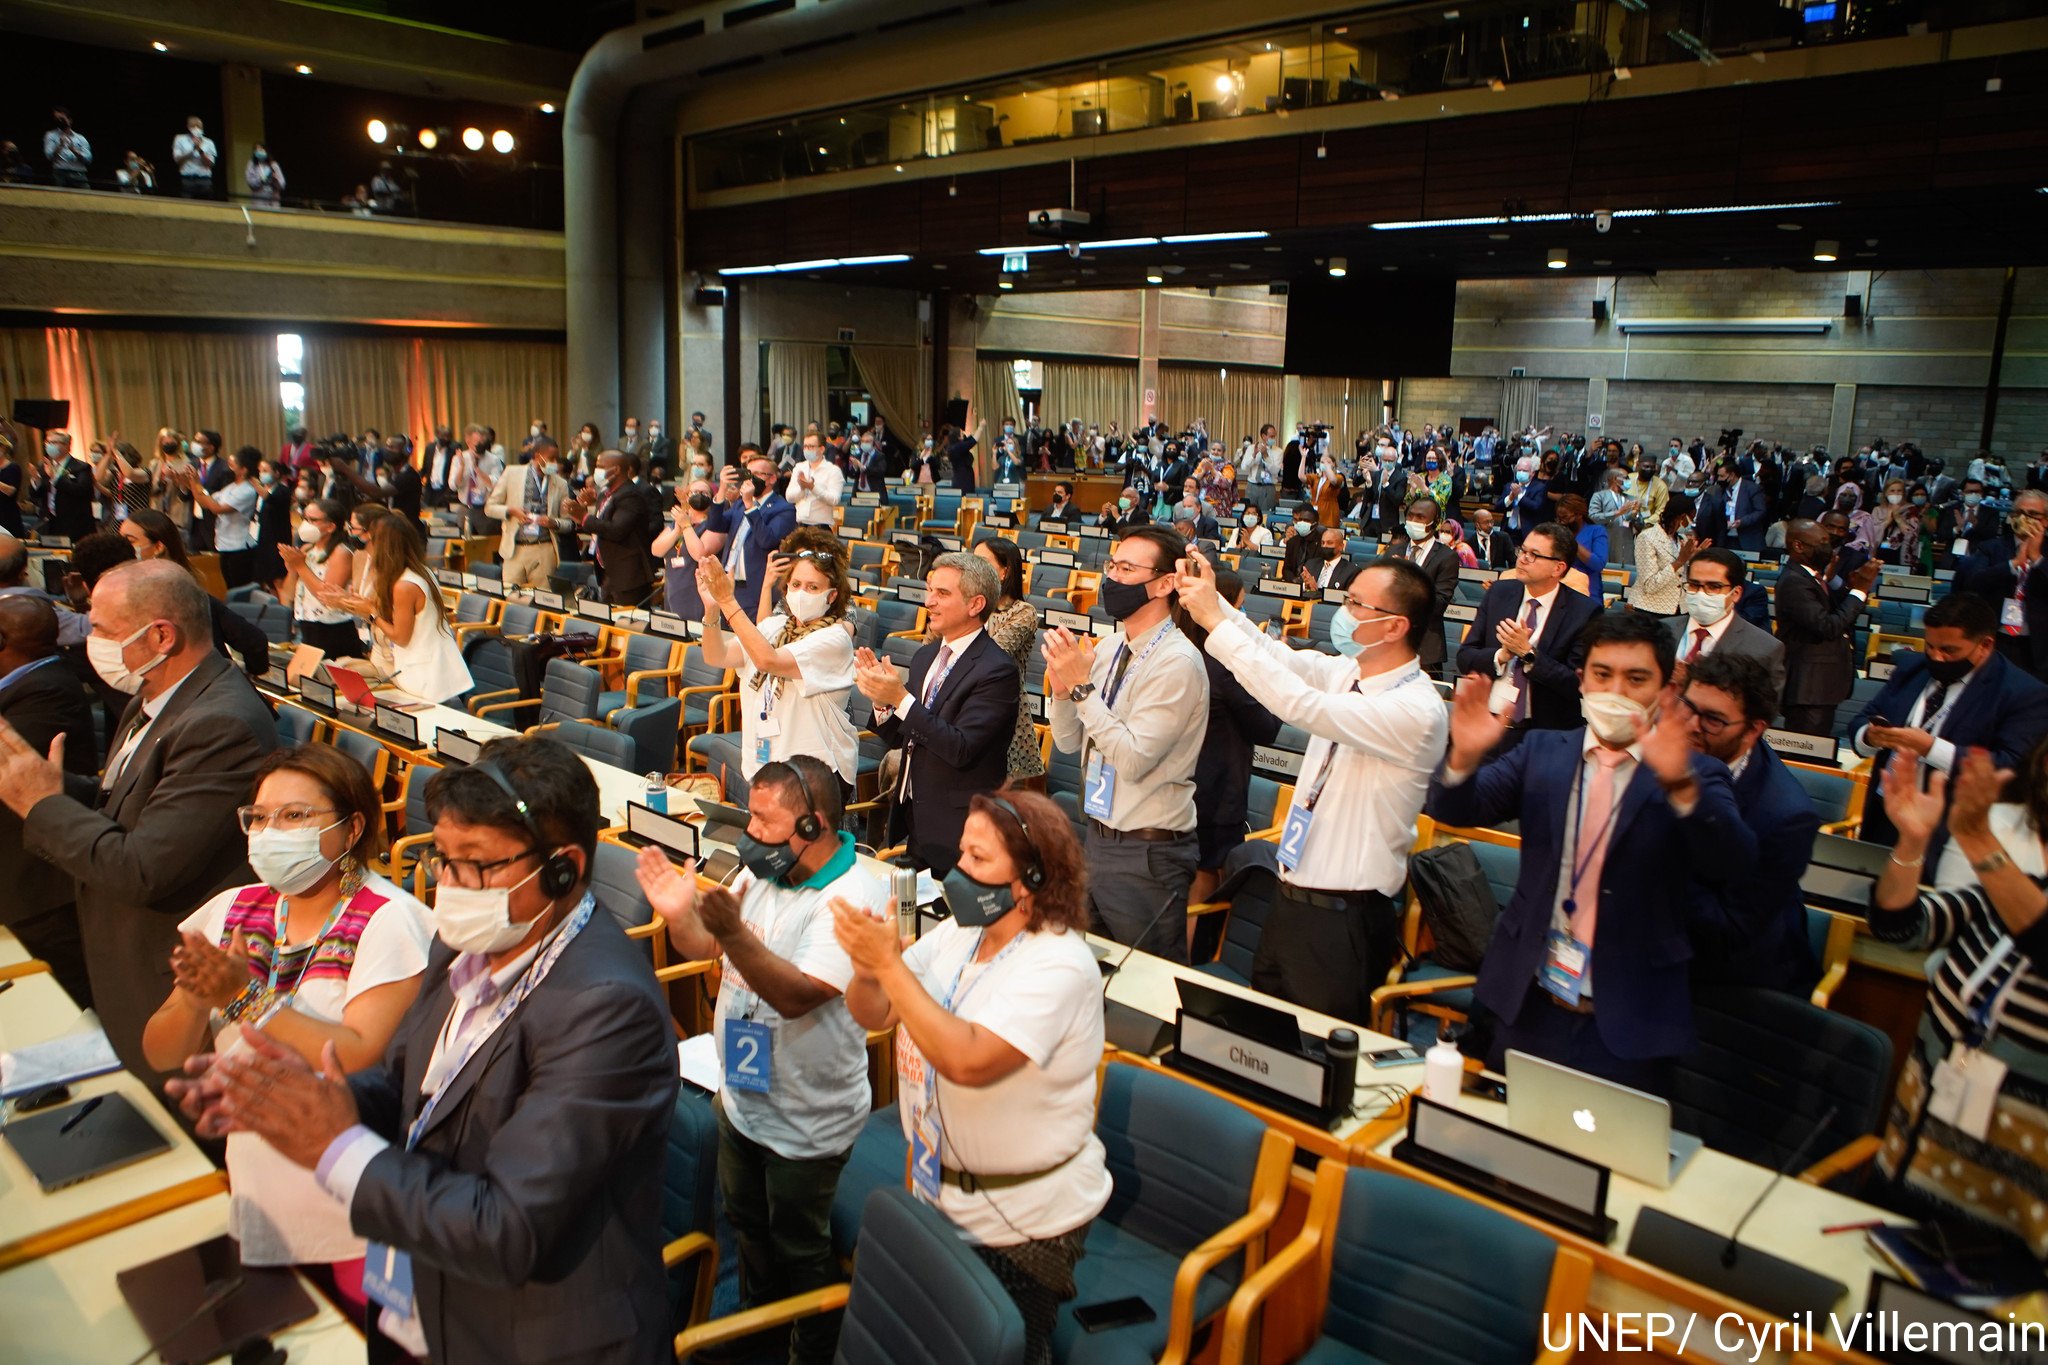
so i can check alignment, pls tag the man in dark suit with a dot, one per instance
(954, 717)
(1494, 547)
(1819, 672)
(1715, 585)
(1958, 694)
(1416, 542)
(1304, 543)
(1732, 512)
(625, 523)
(40, 697)
(2010, 572)
(512, 1238)
(214, 474)
(1626, 834)
(1330, 565)
(157, 835)
(404, 487)
(1526, 636)
(63, 490)
(1964, 526)
(1130, 509)
(754, 518)
(442, 461)
(1761, 938)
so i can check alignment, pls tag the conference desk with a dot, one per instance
(67, 1307)
(34, 1224)
(12, 951)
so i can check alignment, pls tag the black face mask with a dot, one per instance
(1949, 671)
(766, 861)
(700, 502)
(1122, 600)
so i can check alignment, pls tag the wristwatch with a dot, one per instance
(1991, 862)
(1080, 692)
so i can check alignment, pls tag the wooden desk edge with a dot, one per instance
(119, 1216)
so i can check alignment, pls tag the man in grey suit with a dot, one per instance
(1715, 580)
(156, 836)
(504, 1160)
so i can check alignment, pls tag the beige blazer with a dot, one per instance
(510, 491)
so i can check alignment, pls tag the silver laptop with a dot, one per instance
(1623, 1129)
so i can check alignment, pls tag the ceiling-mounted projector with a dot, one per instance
(1059, 224)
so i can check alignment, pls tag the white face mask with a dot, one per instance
(309, 534)
(1613, 718)
(533, 430)
(602, 478)
(1706, 608)
(806, 605)
(106, 658)
(289, 860)
(1895, 498)
(479, 919)
(1416, 530)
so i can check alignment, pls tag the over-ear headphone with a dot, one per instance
(809, 825)
(1033, 874)
(559, 872)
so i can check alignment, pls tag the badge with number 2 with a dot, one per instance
(1293, 835)
(749, 1056)
(1100, 788)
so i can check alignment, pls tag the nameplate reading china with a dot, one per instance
(1247, 1059)
(456, 746)
(1279, 587)
(671, 834)
(1821, 747)
(393, 721)
(596, 611)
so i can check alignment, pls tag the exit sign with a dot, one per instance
(1016, 263)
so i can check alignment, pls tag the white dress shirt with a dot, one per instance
(1152, 735)
(1503, 694)
(194, 155)
(1941, 753)
(814, 504)
(151, 709)
(1714, 634)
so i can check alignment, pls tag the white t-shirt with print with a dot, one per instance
(279, 1214)
(1042, 996)
(818, 1094)
(808, 714)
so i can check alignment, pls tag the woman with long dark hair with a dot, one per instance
(1014, 626)
(321, 566)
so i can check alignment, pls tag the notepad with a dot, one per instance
(60, 1061)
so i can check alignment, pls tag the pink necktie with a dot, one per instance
(1594, 832)
(1520, 668)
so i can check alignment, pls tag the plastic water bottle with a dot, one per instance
(657, 794)
(1443, 1074)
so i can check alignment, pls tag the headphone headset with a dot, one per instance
(1033, 874)
(559, 872)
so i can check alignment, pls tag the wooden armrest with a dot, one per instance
(486, 696)
(1830, 981)
(513, 705)
(1276, 1156)
(695, 1246)
(1268, 835)
(1409, 990)
(736, 1325)
(703, 690)
(633, 681)
(1255, 1289)
(394, 858)
(1846, 828)
(1852, 1154)
(462, 628)
(1571, 1279)
(680, 970)
(917, 635)
(29, 968)
(1207, 907)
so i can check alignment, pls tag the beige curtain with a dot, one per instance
(796, 384)
(899, 381)
(995, 396)
(1095, 393)
(413, 384)
(1517, 404)
(24, 366)
(135, 382)
(1235, 403)
(1352, 407)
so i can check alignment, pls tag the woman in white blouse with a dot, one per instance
(1662, 552)
(412, 644)
(796, 665)
(325, 956)
(999, 1032)
(1250, 533)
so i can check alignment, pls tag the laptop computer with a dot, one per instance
(63, 1146)
(1627, 1130)
(1253, 1019)
(202, 1303)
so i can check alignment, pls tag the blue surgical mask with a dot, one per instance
(1343, 625)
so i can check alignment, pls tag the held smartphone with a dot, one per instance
(1102, 1317)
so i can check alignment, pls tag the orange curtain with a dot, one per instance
(413, 384)
(131, 383)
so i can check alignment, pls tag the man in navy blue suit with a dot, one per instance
(1959, 694)
(1627, 834)
(1526, 636)
(754, 518)
(1729, 702)
(1731, 513)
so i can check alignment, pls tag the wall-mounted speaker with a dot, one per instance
(1599, 312)
(44, 414)
(1852, 306)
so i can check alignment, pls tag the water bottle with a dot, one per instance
(903, 883)
(657, 794)
(1341, 1051)
(1443, 1072)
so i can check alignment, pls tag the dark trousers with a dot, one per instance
(781, 1215)
(1138, 890)
(1327, 950)
(1559, 1035)
(1809, 720)
(237, 568)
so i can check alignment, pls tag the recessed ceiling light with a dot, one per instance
(547, 106)
(1559, 258)
(1338, 267)
(1496, 236)
(160, 46)
(1788, 227)
(1825, 250)
(1004, 284)
(1276, 249)
(1155, 276)
(303, 69)
(938, 265)
(899, 168)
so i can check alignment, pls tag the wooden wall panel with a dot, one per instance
(1477, 164)
(1626, 159)
(1139, 196)
(1241, 186)
(1369, 175)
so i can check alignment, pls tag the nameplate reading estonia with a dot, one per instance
(1295, 1077)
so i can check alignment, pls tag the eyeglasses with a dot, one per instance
(1713, 589)
(1527, 553)
(1711, 723)
(1358, 608)
(468, 872)
(1121, 567)
(253, 818)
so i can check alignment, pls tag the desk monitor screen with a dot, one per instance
(723, 824)
(644, 822)
(61, 1147)
(234, 1303)
(1850, 855)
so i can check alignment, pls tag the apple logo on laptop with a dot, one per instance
(1583, 1118)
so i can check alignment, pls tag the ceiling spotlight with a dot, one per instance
(1825, 250)
(1004, 284)
(160, 47)
(502, 143)
(1338, 265)
(1496, 236)
(547, 106)
(1153, 275)
(1558, 258)
(1224, 85)
(429, 139)
(378, 132)
(303, 69)
(473, 138)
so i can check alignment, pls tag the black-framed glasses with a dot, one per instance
(1713, 589)
(1711, 723)
(470, 872)
(1526, 553)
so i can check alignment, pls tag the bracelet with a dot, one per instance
(1991, 862)
(1897, 861)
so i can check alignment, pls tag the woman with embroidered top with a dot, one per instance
(999, 1033)
(795, 665)
(327, 956)
(319, 567)
(1965, 1142)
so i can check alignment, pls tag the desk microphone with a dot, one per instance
(1109, 973)
(1728, 1251)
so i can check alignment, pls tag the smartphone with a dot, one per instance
(1394, 1056)
(1102, 1317)
(1486, 1087)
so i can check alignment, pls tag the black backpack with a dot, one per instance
(1457, 904)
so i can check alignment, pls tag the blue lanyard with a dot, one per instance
(512, 1001)
(1117, 681)
(986, 973)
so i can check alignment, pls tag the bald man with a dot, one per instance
(40, 697)
(156, 836)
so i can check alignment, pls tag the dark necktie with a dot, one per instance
(1937, 693)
